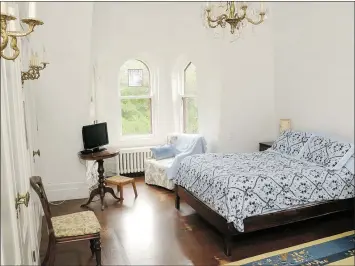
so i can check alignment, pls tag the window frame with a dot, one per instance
(150, 95)
(184, 97)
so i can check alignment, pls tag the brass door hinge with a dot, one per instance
(34, 256)
(38, 152)
(21, 199)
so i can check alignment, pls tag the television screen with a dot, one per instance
(95, 135)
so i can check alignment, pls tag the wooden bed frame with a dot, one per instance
(259, 222)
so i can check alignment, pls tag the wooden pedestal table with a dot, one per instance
(101, 189)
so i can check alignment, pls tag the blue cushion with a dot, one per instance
(163, 152)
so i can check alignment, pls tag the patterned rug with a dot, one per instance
(334, 250)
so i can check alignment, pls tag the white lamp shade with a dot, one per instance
(285, 124)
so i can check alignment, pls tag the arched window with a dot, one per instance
(189, 104)
(136, 98)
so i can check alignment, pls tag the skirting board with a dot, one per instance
(67, 191)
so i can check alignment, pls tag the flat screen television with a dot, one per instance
(95, 136)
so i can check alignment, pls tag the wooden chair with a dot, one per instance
(120, 181)
(68, 228)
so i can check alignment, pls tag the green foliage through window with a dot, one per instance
(136, 116)
(190, 111)
(136, 111)
(190, 115)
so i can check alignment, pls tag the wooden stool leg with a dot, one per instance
(121, 192)
(134, 188)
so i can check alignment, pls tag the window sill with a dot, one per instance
(138, 141)
(137, 137)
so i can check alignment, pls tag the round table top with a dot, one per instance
(108, 153)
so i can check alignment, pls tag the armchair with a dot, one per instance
(159, 172)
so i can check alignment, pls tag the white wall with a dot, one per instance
(244, 87)
(248, 102)
(63, 96)
(237, 75)
(234, 79)
(314, 66)
(157, 34)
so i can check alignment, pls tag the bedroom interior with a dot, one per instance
(227, 126)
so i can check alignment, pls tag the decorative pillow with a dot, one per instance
(163, 152)
(330, 153)
(291, 142)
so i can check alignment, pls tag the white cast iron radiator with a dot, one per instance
(131, 160)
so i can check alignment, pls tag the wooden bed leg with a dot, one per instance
(177, 202)
(177, 199)
(227, 241)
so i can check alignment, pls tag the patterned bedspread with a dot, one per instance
(242, 185)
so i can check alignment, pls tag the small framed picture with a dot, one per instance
(135, 77)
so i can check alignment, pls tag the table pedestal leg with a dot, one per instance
(93, 193)
(101, 189)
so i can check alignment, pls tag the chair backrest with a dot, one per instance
(172, 138)
(37, 185)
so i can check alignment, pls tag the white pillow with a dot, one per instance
(350, 164)
(291, 142)
(327, 152)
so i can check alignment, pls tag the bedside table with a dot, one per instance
(265, 145)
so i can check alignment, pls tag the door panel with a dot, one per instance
(31, 129)
(16, 169)
(10, 249)
(20, 158)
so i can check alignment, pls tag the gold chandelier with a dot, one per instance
(237, 18)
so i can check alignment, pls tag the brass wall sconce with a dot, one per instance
(9, 19)
(35, 68)
(33, 73)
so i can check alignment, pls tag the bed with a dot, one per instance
(301, 177)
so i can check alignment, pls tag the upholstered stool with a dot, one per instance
(120, 181)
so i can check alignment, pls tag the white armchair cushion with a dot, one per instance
(155, 172)
(161, 172)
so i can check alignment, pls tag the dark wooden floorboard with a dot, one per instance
(149, 230)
